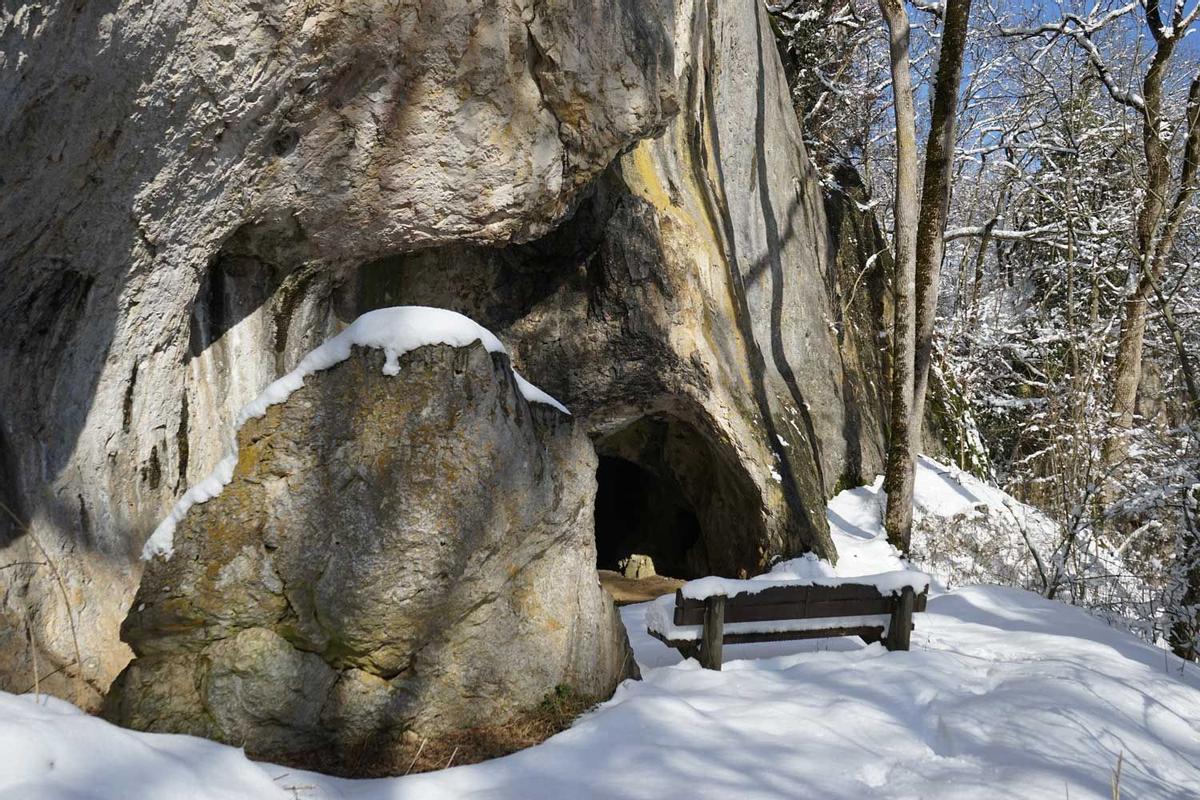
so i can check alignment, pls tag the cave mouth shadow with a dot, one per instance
(667, 490)
(638, 511)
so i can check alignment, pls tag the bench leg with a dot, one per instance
(714, 633)
(900, 628)
(689, 650)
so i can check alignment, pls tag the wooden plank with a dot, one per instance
(867, 633)
(791, 594)
(900, 628)
(870, 633)
(737, 611)
(714, 633)
(681, 603)
(690, 611)
(797, 602)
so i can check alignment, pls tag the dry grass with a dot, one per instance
(26, 532)
(415, 754)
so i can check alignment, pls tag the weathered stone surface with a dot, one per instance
(261, 692)
(638, 566)
(862, 278)
(394, 553)
(185, 186)
(697, 310)
(240, 180)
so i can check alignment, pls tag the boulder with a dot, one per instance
(393, 553)
(638, 566)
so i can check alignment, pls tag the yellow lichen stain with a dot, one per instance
(247, 457)
(645, 181)
(679, 219)
(525, 601)
(692, 241)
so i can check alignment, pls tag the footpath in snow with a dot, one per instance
(1003, 695)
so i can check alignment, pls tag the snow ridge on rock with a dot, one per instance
(395, 331)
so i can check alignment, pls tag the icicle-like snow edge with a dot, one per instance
(396, 331)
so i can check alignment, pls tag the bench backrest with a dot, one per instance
(795, 602)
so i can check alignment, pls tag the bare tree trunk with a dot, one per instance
(935, 200)
(1189, 182)
(1153, 246)
(919, 246)
(1149, 283)
(1184, 633)
(898, 480)
(1190, 382)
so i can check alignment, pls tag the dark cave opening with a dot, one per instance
(667, 489)
(640, 512)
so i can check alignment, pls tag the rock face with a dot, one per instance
(698, 312)
(637, 567)
(196, 194)
(393, 553)
(187, 184)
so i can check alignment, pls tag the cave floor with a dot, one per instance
(625, 591)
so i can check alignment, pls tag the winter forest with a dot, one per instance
(613, 399)
(1039, 197)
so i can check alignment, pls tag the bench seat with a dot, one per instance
(712, 612)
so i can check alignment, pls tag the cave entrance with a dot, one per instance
(667, 491)
(638, 511)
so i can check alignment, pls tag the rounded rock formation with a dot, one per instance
(393, 553)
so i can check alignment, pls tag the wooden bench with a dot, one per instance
(822, 604)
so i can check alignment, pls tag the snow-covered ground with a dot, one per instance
(1004, 695)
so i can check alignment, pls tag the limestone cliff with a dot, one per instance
(195, 194)
(696, 309)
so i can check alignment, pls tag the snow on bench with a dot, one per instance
(886, 582)
(709, 612)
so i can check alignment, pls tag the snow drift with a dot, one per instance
(1004, 694)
